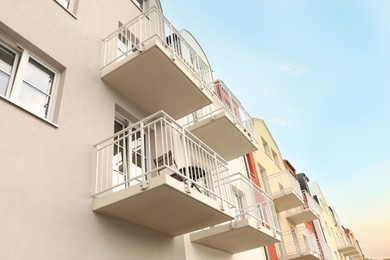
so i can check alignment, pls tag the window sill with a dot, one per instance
(29, 112)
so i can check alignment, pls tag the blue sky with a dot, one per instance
(318, 73)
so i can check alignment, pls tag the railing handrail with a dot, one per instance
(292, 181)
(158, 116)
(259, 205)
(239, 120)
(120, 163)
(199, 67)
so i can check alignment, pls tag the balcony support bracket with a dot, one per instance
(145, 185)
(233, 224)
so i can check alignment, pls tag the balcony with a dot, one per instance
(255, 224)
(299, 244)
(307, 212)
(347, 248)
(158, 175)
(285, 191)
(150, 63)
(224, 125)
(324, 250)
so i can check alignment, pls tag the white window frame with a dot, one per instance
(141, 4)
(275, 157)
(22, 59)
(14, 67)
(71, 5)
(266, 147)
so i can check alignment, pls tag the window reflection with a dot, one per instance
(36, 88)
(7, 59)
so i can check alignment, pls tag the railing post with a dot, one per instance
(296, 242)
(186, 168)
(145, 182)
(97, 170)
(219, 181)
(171, 33)
(272, 218)
(141, 17)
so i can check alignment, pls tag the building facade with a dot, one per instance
(118, 143)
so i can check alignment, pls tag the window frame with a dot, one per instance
(140, 4)
(18, 73)
(14, 67)
(266, 147)
(275, 158)
(71, 8)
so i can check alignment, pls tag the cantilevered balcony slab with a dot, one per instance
(301, 216)
(286, 200)
(164, 207)
(308, 212)
(239, 236)
(222, 134)
(153, 81)
(308, 255)
(285, 191)
(348, 250)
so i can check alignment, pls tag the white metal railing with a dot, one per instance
(309, 204)
(253, 203)
(133, 36)
(224, 99)
(158, 145)
(299, 242)
(284, 183)
(325, 251)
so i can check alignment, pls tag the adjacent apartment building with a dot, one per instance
(118, 143)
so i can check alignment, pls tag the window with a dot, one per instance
(266, 147)
(263, 178)
(26, 81)
(7, 67)
(67, 4)
(275, 158)
(140, 4)
(238, 201)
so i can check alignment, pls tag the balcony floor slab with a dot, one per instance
(164, 207)
(244, 236)
(153, 81)
(222, 135)
(302, 216)
(285, 201)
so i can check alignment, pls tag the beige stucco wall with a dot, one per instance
(45, 171)
(332, 229)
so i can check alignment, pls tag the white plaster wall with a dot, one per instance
(46, 172)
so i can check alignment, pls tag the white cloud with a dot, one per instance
(282, 122)
(296, 70)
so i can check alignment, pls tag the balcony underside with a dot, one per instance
(244, 236)
(223, 136)
(302, 216)
(349, 251)
(153, 81)
(163, 207)
(302, 256)
(285, 201)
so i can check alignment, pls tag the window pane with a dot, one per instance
(6, 61)
(33, 100)
(4, 79)
(39, 77)
(64, 3)
(138, 3)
